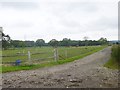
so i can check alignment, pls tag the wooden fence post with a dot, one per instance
(66, 54)
(23, 51)
(29, 57)
(56, 56)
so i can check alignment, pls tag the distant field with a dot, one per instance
(44, 52)
(21, 53)
(73, 53)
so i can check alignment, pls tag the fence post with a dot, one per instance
(56, 56)
(23, 51)
(29, 57)
(66, 54)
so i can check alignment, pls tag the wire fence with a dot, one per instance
(40, 55)
(32, 57)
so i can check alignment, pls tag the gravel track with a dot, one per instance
(85, 73)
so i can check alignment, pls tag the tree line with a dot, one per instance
(54, 43)
(7, 42)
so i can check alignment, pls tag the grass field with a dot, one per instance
(73, 53)
(114, 62)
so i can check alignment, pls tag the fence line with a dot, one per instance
(22, 54)
(43, 58)
(30, 59)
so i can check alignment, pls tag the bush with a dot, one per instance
(114, 62)
(116, 52)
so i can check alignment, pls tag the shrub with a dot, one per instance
(116, 52)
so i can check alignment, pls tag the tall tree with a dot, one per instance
(66, 42)
(86, 40)
(53, 43)
(40, 42)
(103, 40)
(5, 39)
(18, 43)
(29, 43)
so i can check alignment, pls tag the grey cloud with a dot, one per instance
(19, 5)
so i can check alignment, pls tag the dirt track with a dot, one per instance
(84, 73)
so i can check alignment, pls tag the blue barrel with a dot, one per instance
(17, 62)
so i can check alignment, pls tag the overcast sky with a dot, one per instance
(58, 19)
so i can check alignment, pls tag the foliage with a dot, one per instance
(5, 40)
(18, 43)
(103, 41)
(54, 43)
(114, 62)
(29, 43)
(65, 42)
(40, 42)
(116, 52)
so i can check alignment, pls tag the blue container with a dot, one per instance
(17, 62)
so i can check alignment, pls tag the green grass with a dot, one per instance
(114, 61)
(47, 52)
(112, 64)
(81, 52)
